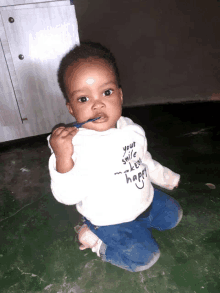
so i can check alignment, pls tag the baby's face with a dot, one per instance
(93, 92)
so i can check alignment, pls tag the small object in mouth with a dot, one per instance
(78, 125)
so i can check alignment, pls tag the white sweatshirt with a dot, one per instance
(110, 182)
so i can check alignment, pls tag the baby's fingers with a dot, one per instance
(58, 130)
(170, 187)
(72, 131)
(65, 131)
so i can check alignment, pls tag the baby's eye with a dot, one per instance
(82, 99)
(108, 92)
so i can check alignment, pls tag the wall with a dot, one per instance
(167, 51)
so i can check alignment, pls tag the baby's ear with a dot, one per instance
(69, 107)
(121, 94)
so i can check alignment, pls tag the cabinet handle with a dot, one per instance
(11, 19)
(21, 57)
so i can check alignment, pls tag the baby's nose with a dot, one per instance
(98, 105)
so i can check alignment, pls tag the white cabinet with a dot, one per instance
(34, 38)
(9, 110)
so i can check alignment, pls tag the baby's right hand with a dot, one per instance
(61, 141)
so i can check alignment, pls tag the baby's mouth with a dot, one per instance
(102, 118)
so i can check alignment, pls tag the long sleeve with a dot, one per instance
(66, 186)
(159, 174)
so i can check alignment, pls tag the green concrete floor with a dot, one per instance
(39, 251)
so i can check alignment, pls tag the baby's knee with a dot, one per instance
(176, 218)
(155, 257)
(180, 215)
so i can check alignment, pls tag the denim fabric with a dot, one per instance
(131, 245)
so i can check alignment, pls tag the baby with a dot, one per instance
(104, 166)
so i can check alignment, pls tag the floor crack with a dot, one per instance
(32, 275)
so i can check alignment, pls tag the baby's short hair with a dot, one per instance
(84, 51)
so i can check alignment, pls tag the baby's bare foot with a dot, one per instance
(87, 238)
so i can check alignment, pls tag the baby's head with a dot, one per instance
(89, 80)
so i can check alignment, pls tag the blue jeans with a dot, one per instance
(131, 245)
